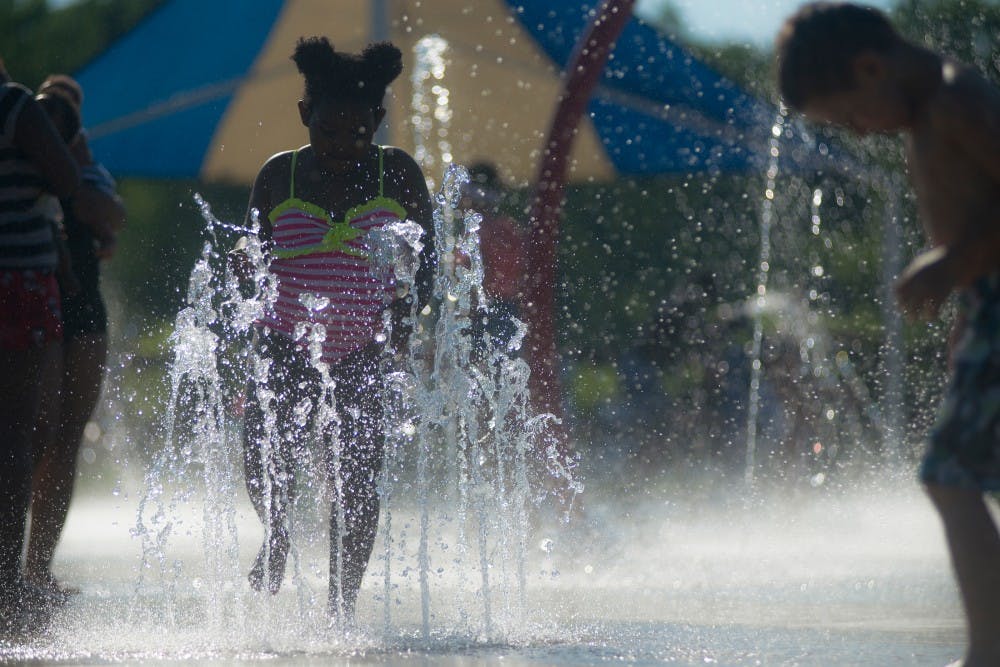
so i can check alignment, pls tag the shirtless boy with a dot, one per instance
(845, 65)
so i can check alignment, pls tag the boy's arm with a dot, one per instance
(80, 149)
(972, 258)
(970, 115)
(975, 124)
(102, 212)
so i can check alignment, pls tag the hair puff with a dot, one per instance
(335, 75)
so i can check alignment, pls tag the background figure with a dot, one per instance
(316, 205)
(503, 244)
(91, 220)
(33, 160)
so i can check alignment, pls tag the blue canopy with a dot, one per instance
(207, 89)
(658, 108)
(165, 85)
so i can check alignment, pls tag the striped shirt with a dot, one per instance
(26, 237)
(324, 274)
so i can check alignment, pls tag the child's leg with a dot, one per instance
(361, 512)
(975, 553)
(359, 400)
(44, 446)
(254, 447)
(270, 473)
(55, 464)
(269, 459)
(20, 394)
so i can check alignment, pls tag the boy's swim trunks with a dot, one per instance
(964, 445)
(29, 309)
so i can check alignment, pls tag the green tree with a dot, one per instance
(667, 18)
(745, 64)
(969, 30)
(37, 40)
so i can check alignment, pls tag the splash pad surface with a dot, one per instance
(689, 571)
(841, 579)
(668, 575)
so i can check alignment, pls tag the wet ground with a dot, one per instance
(815, 579)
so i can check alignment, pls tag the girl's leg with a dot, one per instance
(975, 553)
(270, 479)
(19, 396)
(359, 402)
(270, 462)
(253, 450)
(82, 370)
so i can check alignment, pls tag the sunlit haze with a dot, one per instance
(722, 20)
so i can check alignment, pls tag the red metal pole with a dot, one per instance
(581, 75)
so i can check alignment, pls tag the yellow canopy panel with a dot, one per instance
(502, 88)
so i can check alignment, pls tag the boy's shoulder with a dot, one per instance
(963, 114)
(964, 95)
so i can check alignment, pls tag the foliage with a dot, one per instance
(747, 65)
(164, 236)
(655, 273)
(669, 20)
(38, 40)
(968, 30)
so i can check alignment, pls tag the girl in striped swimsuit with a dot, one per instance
(316, 205)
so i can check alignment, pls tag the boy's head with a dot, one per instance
(65, 85)
(63, 113)
(342, 103)
(834, 65)
(4, 76)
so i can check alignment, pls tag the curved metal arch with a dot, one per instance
(580, 78)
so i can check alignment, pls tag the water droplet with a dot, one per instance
(92, 431)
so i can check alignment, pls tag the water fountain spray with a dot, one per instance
(760, 299)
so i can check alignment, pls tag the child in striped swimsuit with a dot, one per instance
(316, 207)
(34, 160)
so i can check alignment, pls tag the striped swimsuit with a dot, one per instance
(26, 237)
(323, 272)
(30, 304)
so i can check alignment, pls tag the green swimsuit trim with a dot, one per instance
(340, 233)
